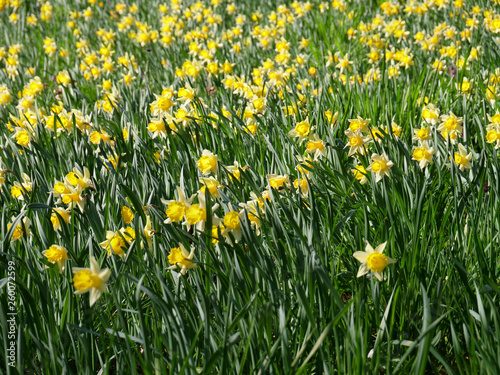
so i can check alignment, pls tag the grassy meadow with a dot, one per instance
(249, 187)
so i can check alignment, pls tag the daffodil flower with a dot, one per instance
(315, 146)
(21, 228)
(462, 158)
(73, 195)
(78, 178)
(373, 260)
(207, 163)
(380, 166)
(422, 134)
(430, 114)
(360, 174)
(180, 258)
(450, 123)
(254, 211)
(356, 142)
(232, 222)
(234, 171)
(196, 214)
(212, 185)
(54, 218)
(423, 154)
(127, 215)
(91, 280)
(18, 190)
(56, 254)
(492, 135)
(277, 181)
(359, 123)
(148, 232)
(301, 130)
(176, 209)
(114, 244)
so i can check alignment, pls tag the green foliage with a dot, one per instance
(285, 299)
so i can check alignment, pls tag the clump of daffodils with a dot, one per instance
(71, 190)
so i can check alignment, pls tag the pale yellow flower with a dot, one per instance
(56, 254)
(207, 163)
(91, 280)
(423, 154)
(356, 142)
(180, 258)
(373, 260)
(462, 158)
(380, 166)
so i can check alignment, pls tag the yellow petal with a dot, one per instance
(361, 256)
(363, 270)
(380, 248)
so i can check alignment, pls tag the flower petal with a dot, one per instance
(94, 266)
(380, 248)
(369, 248)
(94, 296)
(105, 274)
(361, 256)
(363, 270)
(390, 260)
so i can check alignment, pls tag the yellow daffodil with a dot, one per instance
(423, 154)
(234, 171)
(73, 196)
(180, 258)
(91, 280)
(430, 114)
(115, 244)
(127, 215)
(356, 142)
(422, 134)
(196, 214)
(450, 125)
(149, 232)
(277, 181)
(56, 254)
(54, 217)
(492, 134)
(380, 166)
(232, 222)
(360, 174)
(359, 123)
(462, 158)
(176, 209)
(212, 185)
(78, 178)
(301, 130)
(207, 163)
(373, 260)
(22, 228)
